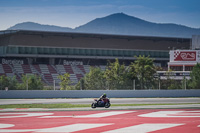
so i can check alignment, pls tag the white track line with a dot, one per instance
(61, 129)
(17, 115)
(172, 114)
(143, 128)
(72, 128)
(97, 115)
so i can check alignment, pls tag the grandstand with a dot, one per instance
(49, 54)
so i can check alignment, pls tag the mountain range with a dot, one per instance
(120, 24)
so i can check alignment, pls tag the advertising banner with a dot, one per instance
(11, 61)
(185, 56)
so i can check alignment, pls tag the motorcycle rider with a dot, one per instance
(102, 98)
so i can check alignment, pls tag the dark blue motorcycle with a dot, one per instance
(104, 103)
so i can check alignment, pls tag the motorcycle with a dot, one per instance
(105, 103)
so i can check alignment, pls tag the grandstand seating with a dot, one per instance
(79, 76)
(73, 78)
(48, 78)
(61, 69)
(48, 73)
(37, 68)
(44, 69)
(33, 70)
(1, 69)
(51, 69)
(76, 70)
(55, 77)
(81, 67)
(18, 68)
(26, 68)
(68, 69)
(7, 68)
(86, 68)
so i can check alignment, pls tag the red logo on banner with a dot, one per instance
(184, 55)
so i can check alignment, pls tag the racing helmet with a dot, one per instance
(104, 94)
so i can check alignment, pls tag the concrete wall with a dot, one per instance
(97, 93)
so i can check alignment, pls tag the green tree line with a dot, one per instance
(30, 82)
(140, 74)
(118, 76)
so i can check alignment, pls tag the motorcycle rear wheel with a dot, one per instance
(93, 105)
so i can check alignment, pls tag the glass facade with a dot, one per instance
(80, 52)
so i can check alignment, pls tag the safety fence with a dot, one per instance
(97, 93)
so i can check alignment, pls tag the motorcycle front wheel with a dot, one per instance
(107, 105)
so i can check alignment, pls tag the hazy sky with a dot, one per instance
(73, 13)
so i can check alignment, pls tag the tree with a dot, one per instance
(35, 82)
(116, 75)
(194, 82)
(31, 82)
(3, 82)
(10, 82)
(94, 79)
(144, 70)
(175, 84)
(65, 81)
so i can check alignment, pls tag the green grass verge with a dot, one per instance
(67, 105)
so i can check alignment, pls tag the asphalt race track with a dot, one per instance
(117, 119)
(102, 121)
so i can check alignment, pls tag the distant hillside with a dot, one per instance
(119, 23)
(39, 27)
(123, 24)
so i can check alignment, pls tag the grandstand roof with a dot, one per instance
(90, 41)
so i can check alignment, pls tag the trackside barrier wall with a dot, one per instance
(97, 93)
